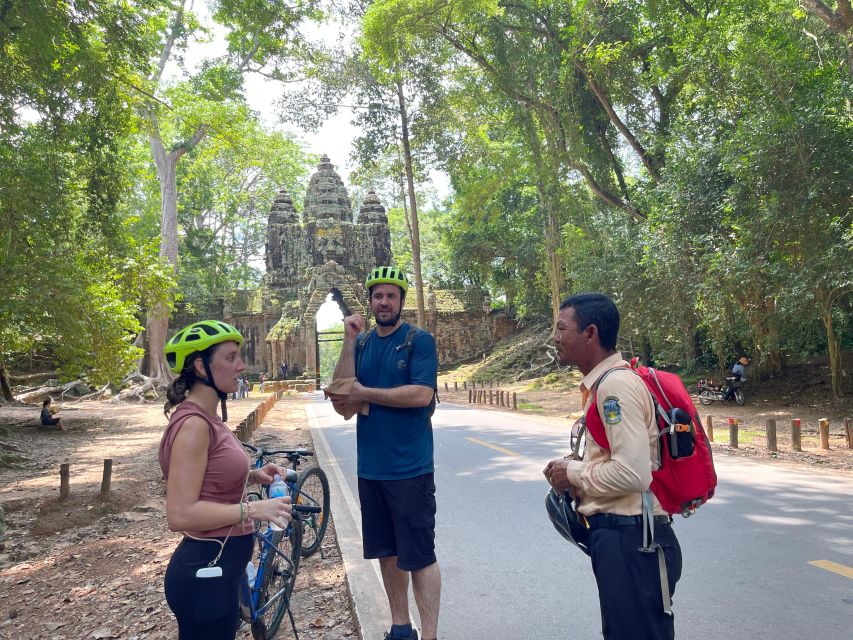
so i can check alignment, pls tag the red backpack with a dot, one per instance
(686, 478)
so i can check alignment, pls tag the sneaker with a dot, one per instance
(412, 636)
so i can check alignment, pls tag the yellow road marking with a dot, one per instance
(494, 446)
(835, 567)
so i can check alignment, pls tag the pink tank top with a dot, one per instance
(227, 465)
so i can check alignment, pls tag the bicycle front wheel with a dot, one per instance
(279, 577)
(313, 490)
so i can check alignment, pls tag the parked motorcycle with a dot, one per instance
(710, 392)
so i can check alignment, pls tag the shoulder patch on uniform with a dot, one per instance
(611, 410)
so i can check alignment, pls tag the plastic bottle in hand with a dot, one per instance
(278, 489)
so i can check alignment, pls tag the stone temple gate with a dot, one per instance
(326, 250)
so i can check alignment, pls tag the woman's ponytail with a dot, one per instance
(180, 387)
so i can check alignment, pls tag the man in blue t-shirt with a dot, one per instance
(395, 370)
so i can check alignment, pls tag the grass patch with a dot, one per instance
(529, 406)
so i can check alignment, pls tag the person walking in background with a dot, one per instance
(393, 369)
(610, 484)
(207, 470)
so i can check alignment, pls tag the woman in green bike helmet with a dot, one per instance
(207, 470)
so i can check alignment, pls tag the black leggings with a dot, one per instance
(207, 608)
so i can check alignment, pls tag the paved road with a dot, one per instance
(508, 576)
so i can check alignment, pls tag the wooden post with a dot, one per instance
(733, 433)
(491, 397)
(824, 433)
(848, 432)
(514, 403)
(446, 388)
(771, 434)
(709, 427)
(64, 487)
(469, 396)
(501, 397)
(464, 385)
(796, 435)
(106, 481)
(455, 386)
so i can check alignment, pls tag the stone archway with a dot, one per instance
(322, 250)
(346, 291)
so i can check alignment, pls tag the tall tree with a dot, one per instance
(261, 38)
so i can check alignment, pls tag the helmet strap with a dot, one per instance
(210, 383)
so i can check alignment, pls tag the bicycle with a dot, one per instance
(265, 598)
(312, 489)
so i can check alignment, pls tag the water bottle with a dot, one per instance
(278, 489)
(251, 573)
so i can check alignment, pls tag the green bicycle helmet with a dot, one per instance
(198, 337)
(387, 275)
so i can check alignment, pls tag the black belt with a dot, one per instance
(606, 520)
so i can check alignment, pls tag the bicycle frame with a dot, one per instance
(249, 597)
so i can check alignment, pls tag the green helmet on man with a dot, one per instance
(387, 275)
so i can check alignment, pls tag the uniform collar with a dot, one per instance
(609, 362)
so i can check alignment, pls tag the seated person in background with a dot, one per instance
(47, 411)
(738, 375)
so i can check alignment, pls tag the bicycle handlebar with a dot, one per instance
(306, 508)
(302, 453)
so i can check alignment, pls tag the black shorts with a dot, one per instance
(207, 608)
(398, 519)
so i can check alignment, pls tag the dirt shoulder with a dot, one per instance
(559, 402)
(95, 568)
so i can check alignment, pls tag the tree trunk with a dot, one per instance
(157, 327)
(413, 206)
(158, 318)
(5, 387)
(548, 206)
(834, 345)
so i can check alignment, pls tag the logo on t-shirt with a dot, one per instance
(402, 364)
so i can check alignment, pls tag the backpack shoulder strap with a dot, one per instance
(410, 336)
(360, 343)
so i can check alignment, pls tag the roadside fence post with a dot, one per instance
(514, 403)
(106, 481)
(733, 424)
(824, 433)
(709, 430)
(771, 434)
(796, 435)
(848, 432)
(64, 486)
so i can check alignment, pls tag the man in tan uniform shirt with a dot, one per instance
(610, 483)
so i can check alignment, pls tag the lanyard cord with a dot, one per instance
(221, 543)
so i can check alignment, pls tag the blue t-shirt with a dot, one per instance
(394, 443)
(739, 370)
